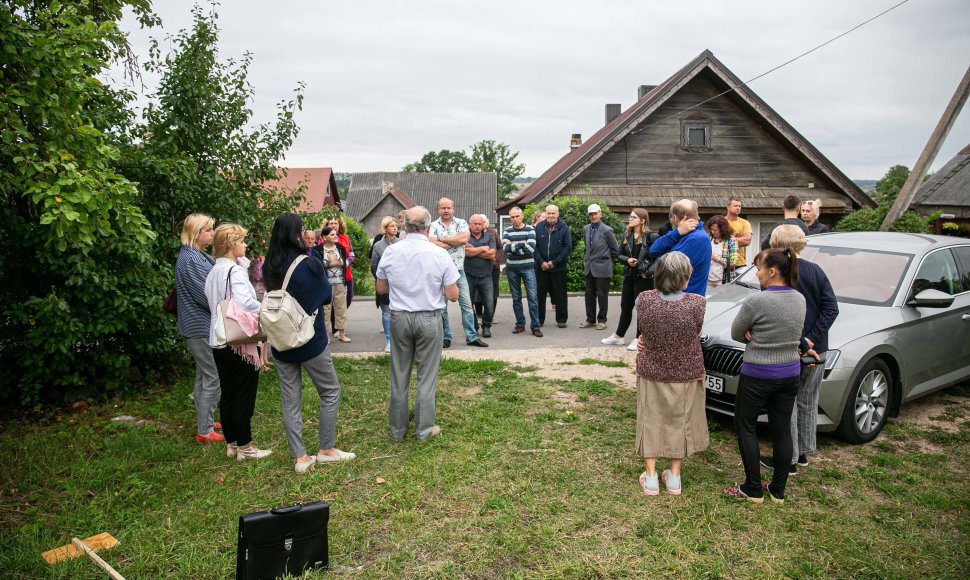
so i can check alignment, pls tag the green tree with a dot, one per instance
(75, 248)
(198, 149)
(888, 187)
(488, 155)
(444, 161)
(485, 156)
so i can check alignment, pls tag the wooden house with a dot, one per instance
(377, 194)
(701, 135)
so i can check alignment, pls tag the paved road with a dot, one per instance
(366, 334)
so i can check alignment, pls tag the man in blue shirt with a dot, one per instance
(689, 238)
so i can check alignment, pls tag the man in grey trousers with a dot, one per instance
(601, 252)
(419, 276)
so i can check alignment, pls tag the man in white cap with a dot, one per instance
(601, 251)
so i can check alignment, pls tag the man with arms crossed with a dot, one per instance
(418, 276)
(519, 243)
(553, 246)
(479, 253)
(451, 233)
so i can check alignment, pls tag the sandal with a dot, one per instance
(671, 478)
(735, 492)
(649, 485)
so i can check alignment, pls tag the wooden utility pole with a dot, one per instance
(908, 192)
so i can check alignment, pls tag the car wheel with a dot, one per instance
(868, 405)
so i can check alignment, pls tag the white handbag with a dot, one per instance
(282, 318)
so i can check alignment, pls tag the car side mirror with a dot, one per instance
(931, 298)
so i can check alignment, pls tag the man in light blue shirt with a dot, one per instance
(452, 234)
(419, 276)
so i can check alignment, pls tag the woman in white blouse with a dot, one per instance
(239, 365)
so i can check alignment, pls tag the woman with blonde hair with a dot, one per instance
(671, 421)
(388, 237)
(811, 210)
(238, 365)
(635, 257)
(191, 269)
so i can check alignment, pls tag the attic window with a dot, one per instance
(695, 134)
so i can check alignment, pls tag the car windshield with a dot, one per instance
(857, 276)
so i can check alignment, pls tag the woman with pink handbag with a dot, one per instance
(238, 365)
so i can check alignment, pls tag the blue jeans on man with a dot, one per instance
(528, 277)
(467, 312)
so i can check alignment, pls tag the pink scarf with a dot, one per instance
(249, 322)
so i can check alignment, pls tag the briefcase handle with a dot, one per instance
(286, 510)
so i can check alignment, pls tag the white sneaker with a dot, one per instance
(613, 339)
(633, 345)
(231, 449)
(251, 452)
(340, 456)
(303, 467)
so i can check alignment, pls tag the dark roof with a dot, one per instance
(950, 186)
(559, 176)
(756, 199)
(472, 192)
(321, 187)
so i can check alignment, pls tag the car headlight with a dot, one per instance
(831, 358)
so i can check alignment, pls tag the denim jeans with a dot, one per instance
(386, 321)
(776, 397)
(467, 312)
(528, 277)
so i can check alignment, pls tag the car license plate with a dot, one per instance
(714, 384)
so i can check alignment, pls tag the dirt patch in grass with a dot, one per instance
(559, 363)
(943, 411)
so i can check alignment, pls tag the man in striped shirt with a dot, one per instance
(519, 243)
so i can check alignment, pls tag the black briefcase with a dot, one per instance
(282, 541)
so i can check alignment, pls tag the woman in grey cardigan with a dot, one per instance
(770, 323)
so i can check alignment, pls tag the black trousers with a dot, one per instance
(632, 287)
(552, 283)
(238, 380)
(597, 291)
(776, 397)
(479, 307)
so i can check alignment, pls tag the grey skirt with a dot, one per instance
(671, 421)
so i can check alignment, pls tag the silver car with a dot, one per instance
(903, 329)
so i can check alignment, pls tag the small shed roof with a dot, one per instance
(472, 192)
(950, 186)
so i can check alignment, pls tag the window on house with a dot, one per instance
(696, 133)
(696, 137)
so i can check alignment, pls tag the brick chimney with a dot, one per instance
(612, 112)
(643, 90)
(575, 141)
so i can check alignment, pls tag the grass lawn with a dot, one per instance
(531, 477)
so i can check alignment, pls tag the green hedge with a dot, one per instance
(572, 210)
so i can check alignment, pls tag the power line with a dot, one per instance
(782, 65)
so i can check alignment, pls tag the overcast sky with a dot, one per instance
(387, 81)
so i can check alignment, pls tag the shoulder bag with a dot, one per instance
(281, 317)
(227, 329)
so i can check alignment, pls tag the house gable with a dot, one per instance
(752, 151)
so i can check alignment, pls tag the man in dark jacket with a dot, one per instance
(553, 246)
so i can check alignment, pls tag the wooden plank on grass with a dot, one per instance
(101, 541)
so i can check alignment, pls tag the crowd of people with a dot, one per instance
(420, 264)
